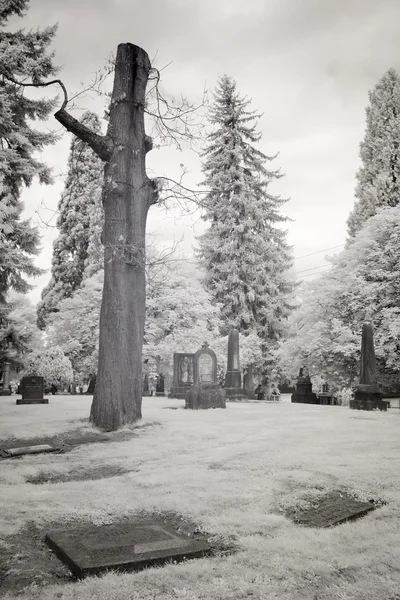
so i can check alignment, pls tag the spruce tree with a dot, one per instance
(244, 251)
(22, 55)
(378, 183)
(79, 221)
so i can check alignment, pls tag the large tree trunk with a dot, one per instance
(127, 195)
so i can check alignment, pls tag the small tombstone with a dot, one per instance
(91, 550)
(183, 375)
(206, 392)
(32, 389)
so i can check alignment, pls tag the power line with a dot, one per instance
(319, 252)
(313, 268)
(323, 270)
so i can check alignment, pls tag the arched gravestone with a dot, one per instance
(206, 392)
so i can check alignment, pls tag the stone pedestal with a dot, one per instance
(233, 378)
(368, 397)
(205, 395)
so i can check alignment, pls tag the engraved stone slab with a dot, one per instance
(32, 389)
(123, 547)
(205, 367)
(37, 449)
(333, 510)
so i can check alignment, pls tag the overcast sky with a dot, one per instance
(306, 64)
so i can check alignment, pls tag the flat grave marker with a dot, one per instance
(333, 510)
(131, 546)
(36, 449)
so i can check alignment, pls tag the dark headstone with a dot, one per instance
(183, 375)
(146, 387)
(160, 390)
(206, 392)
(123, 547)
(32, 389)
(333, 510)
(368, 394)
(304, 393)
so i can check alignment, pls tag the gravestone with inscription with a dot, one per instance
(32, 389)
(89, 550)
(206, 392)
(183, 375)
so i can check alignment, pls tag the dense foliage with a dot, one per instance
(378, 183)
(23, 54)
(244, 251)
(363, 284)
(77, 247)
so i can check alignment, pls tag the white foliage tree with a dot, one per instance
(244, 252)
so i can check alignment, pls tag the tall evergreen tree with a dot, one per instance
(244, 251)
(79, 221)
(22, 55)
(378, 179)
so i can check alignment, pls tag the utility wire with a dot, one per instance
(319, 252)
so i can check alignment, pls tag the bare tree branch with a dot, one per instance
(100, 144)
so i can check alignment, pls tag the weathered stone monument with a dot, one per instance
(233, 378)
(32, 389)
(206, 392)
(304, 393)
(183, 375)
(368, 395)
(160, 389)
(248, 382)
(146, 386)
(5, 388)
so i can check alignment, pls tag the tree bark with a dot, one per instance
(127, 195)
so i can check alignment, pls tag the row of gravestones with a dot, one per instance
(195, 377)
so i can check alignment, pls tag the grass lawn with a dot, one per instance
(234, 472)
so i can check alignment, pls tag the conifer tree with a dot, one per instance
(244, 251)
(22, 55)
(378, 183)
(80, 218)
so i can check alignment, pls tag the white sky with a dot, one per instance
(307, 65)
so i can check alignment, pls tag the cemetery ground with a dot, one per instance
(237, 475)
